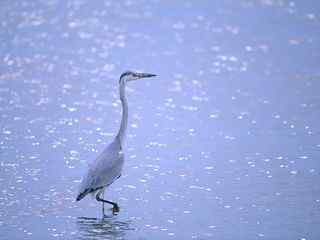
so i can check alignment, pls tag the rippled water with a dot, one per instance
(224, 144)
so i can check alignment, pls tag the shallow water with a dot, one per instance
(223, 144)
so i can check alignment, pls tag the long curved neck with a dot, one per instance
(124, 121)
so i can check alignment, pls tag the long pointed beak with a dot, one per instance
(145, 75)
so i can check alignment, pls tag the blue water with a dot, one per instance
(223, 144)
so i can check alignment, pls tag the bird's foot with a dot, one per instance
(115, 209)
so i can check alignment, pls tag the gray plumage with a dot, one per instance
(103, 171)
(107, 167)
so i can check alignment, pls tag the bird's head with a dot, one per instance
(130, 76)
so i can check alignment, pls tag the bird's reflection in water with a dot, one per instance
(106, 228)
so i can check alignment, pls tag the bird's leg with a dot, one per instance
(103, 204)
(115, 208)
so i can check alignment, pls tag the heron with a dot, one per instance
(107, 167)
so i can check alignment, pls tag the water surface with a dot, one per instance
(224, 144)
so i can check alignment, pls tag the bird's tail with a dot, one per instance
(82, 195)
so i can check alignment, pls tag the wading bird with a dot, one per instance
(108, 165)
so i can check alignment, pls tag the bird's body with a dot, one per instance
(107, 167)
